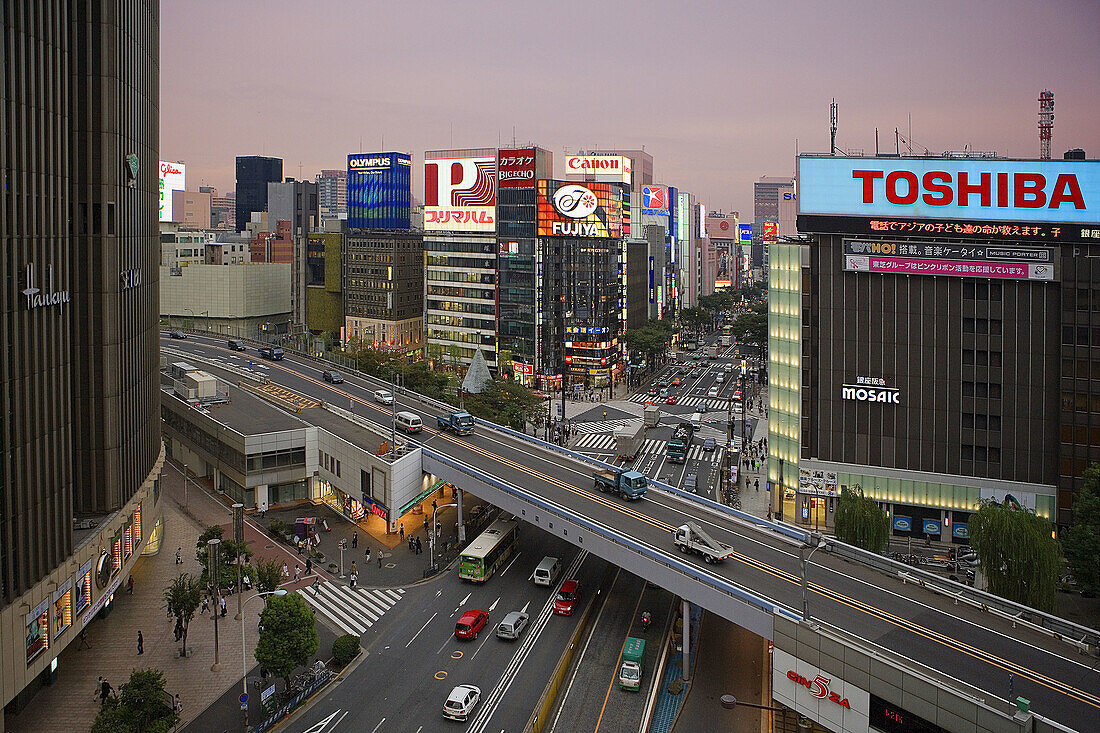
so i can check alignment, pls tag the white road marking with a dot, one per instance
(421, 629)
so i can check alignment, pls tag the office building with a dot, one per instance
(296, 202)
(766, 194)
(384, 289)
(248, 300)
(81, 396)
(935, 339)
(191, 208)
(223, 210)
(332, 190)
(324, 281)
(379, 190)
(254, 172)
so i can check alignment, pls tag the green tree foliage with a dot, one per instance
(860, 521)
(751, 328)
(344, 649)
(181, 597)
(289, 637)
(419, 378)
(1017, 553)
(695, 319)
(505, 402)
(1081, 541)
(267, 574)
(720, 302)
(652, 340)
(142, 706)
(228, 550)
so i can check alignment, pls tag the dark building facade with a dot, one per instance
(384, 288)
(81, 430)
(297, 202)
(937, 362)
(254, 172)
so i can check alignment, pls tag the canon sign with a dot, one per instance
(964, 189)
(601, 167)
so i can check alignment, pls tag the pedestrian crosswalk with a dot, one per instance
(712, 403)
(600, 426)
(606, 444)
(353, 610)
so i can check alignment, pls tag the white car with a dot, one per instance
(460, 703)
(383, 397)
(712, 392)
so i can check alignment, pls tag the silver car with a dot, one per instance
(512, 625)
(460, 703)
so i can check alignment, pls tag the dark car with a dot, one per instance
(178, 335)
(709, 444)
(691, 483)
(332, 377)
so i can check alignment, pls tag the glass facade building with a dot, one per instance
(460, 298)
(254, 172)
(784, 378)
(379, 190)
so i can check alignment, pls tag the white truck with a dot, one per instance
(629, 439)
(690, 537)
(652, 416)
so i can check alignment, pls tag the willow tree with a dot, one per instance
(1017, 553)
(1081, 542)
(860, 521)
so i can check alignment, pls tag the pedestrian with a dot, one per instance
(403, 527)
(368, 554)
(205, 605)
(412, 544)
(309, 566)
(354, 540)
(177, 706)
(758, 484)
(419, 547)
(286, 570)
(297, 572)
(178, 631)
(379, 559)
(353, 568)
(98, 688)
(353, 577)
(130, 585)
(316, 585)
(141, 643)
(223, 607)
(105, 690)
(84, 640)
(300, 543)
(179, 556)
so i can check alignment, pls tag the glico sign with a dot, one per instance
(974, 189)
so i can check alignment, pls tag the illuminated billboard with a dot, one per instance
(951, 260)
(961, 189)
(573, 210)
(460, 194)
(379, 190)
(770, 232)
(745, 231)
(655, 200)
(516, 168)
(172, 178)
(607, 168)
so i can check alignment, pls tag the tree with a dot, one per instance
(228, 550)
(506, 402)
(142, 706)
(860, 521)
(182, 597)
(751, 328)
(1017, 553)
(289, 637)
(268, 574)
(653, 339)
(720, 302)
(695, 318)
(1081, 541)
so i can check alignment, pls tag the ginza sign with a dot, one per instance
(870, 389)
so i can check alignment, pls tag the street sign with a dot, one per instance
(243, 698)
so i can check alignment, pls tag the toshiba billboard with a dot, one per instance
(964, 189)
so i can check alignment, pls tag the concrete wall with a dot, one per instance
(224, 291)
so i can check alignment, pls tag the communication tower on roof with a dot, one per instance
(1046, 122)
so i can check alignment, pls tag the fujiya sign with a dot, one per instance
(871, 389)
(576, 202)
(38, 298)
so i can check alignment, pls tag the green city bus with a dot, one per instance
(492, 547)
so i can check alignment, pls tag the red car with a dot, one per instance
(566, 599)
(671, 400)
(677, 382)
(470, 624)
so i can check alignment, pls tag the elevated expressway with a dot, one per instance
(952, 655)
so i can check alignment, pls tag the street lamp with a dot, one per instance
(729, 702)
(431, 537)
(213, 569)
(279, 593)
(803, 559)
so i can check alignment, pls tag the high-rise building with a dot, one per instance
(223, 210)
(332, 188)
(379, 189)
(766, 193)
(254, 172)
(79, 280)
(384, 289)
(935, 339)
(296, 202)
(191, 208)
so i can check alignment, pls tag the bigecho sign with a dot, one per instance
(983, 189)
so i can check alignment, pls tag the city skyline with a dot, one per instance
(963, 75)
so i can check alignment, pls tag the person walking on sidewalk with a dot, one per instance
(105, 690)
(403, 529)
(223, 607)
(368, 554)
(179, 556)
(141, 643)
(353, 577)
(130, 585)
(297, 572)
(354, 540)
(419, 547)
(286, 570)
(309, 566)
(354, 569)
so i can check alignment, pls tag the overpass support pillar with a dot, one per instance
(685, 610)
(461, 523)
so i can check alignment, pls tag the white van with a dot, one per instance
(720, 378)
(409, 422)
(547, 571)
(383, 397)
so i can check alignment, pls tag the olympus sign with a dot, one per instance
(355, 163)
(871, 389)
(576, 202)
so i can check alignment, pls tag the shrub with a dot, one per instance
(278, 527)
(344, 649)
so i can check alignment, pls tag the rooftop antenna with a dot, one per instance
(513, 136)
(897, 142)
(876, 141)
(832, 127)
(1046, 122)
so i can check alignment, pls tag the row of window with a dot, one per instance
(1085, 368)
(1081, 434)
(1079, 299)
(1081, 402)
(973, 290)
(991, 326)
(981, 357)
(486, 309)
(331, 463)
(1081, 335)
(981, 422)
(461, 277)
(434, 319)
(981, 453)
(991, 390)
(459, 292)
(447, 261)
(277, 459)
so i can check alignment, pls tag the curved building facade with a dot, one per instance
(79, 311)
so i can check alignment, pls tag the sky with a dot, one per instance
(719, 92)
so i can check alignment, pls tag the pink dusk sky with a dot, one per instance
(719, 92)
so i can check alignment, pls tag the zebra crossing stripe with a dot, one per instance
(346, 624)
(396, 595)
(344, 599)
(353, 610)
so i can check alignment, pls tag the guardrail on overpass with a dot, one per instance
(688, 581)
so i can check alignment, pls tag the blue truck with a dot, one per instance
(272, 352)
(628, 484)
(459, 423)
